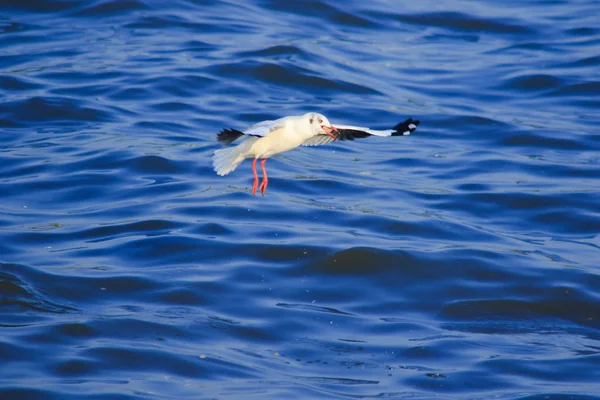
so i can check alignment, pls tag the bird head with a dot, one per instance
(320, 125)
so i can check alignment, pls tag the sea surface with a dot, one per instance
(460, 262)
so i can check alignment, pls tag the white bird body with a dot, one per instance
(267, 138)
(291, 135)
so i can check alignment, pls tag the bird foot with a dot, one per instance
(263, 187)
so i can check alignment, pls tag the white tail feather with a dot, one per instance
(226, 160)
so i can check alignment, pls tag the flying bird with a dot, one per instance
(267, 138)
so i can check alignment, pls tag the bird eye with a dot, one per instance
(320, 121)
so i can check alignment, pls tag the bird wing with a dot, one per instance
(265, 127)
(228, 136)
(317, 140)
(349, 132)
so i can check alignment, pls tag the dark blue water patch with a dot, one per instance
(152, 251)
(84, 90)
(312, 308)
(8, 27)
(458, 21)
(170, 106)
(97, 234)
(23, 305)
(454, 382)
(275, 52)
(7, 123)
(28, 41)
(322, 10)
(9, 83)
(181, 86)
(581, 369)
(186, 365)
(52, 110)
(19, 393)
(11, 352)
(35, 59)
(533, 83)
(583, 31)
(82, 188)
(543, 140)
(97, 160)
(584, 62)
(20, 168)
(199, 47)
(24, 39)
(111, 8)
(65, 77)
(183, 296)
(523, 313)
(400, 269)
(155, 165)
(284, 75)
(528, 49)
(470, 125)
(584, 89)
(17, 298)
(565, 220)
(173, 23)
(551, 214)
(40, 6)
(130, 93)
(451, 38)
(67, 294)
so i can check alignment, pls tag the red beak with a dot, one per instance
(331, 129)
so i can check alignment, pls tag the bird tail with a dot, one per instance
(226, 160)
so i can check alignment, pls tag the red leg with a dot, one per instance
(255, 185)
(265, 182)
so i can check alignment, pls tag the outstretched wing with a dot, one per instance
(228, 136)
(348, 132)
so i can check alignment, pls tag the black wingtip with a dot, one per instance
(406, 128)
(228, 136)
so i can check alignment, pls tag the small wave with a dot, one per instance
(593, 61)
(274, 52)
(171, 362)
(173, 22)
(286, 74)
(542, 140)
(310, 307)
(527, 48)
(18, 297)
(149, 228)
(52, 110)
(338, 381)
(319, 9)
(111, 8)
(466, 22)
(532, 83)
(522, 315)
(36, 6)
(584, 89)
(11, 83)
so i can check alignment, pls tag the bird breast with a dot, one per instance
(277, 141)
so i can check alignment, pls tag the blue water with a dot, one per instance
(460, 262)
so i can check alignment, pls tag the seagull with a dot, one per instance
(267, 138)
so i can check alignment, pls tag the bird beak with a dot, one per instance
(329, 129)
